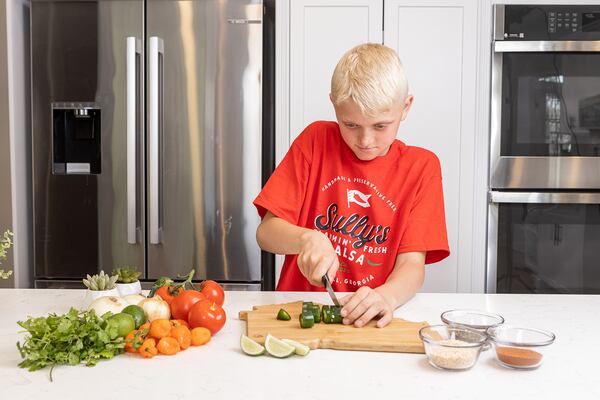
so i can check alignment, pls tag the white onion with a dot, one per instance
(105, 304)
(155, 308)
(134, 299)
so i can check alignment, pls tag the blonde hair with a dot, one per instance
(372, 76)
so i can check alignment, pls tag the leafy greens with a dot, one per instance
(72, 338)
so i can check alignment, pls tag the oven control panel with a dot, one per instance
(564, 22)
(547, 22)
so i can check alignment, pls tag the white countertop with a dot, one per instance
(219, 370)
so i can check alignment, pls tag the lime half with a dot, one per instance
(277, 347)
(299, 348)
(250, 347)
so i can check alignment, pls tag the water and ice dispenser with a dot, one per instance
(76, 138)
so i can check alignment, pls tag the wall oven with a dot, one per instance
(544, 208)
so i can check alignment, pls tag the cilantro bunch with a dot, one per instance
(72, 338)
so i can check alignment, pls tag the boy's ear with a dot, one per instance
(331, 99)
(407, 104)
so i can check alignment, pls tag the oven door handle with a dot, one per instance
(541, 46)
(544, 197)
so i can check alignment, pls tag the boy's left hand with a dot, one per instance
(365, 304)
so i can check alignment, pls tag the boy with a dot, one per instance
(351, 201)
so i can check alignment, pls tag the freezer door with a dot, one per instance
(204, 137)
(87, 216)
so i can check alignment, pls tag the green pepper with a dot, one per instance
(316, 311)
(307, 319)
(332, 314)
(326, 314)
(283, 315)
(336, 315)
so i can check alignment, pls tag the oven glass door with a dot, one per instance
(550, 104)
(548, 248)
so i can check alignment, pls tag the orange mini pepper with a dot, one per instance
(200, 336)
(134, 340)
(159, 328)
(168, 346)
(183, 336)
(148, 348)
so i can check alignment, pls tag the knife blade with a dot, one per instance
(327, 284)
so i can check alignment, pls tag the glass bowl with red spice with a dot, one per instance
(520, 348)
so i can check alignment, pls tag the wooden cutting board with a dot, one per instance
(399, 336)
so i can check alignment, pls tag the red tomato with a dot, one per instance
(168, 293)
(183, 302)
(213, 291)
(207, 314)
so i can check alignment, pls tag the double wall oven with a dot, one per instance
(544, 199)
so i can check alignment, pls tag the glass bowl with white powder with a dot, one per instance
(452, 347)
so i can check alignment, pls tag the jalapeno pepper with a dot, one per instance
(332, 314)
(316, 311)
(307, 319)
(283, 315)
(336, 315)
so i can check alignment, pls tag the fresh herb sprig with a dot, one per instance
(72, 338)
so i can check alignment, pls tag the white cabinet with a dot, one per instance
(437, 43)
(437, 40)
(321, 31)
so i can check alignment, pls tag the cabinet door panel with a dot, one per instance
(321, 31)
(436, 41)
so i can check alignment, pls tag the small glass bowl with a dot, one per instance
(474, 319)
(451, 347)
(520, 348)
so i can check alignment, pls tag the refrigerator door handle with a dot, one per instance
(155, 111)
(134, 48)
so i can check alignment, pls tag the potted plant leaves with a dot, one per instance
(99, 285)
(127, 281)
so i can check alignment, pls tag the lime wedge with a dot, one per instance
(278, 348)
(250, 347)
(299, 348)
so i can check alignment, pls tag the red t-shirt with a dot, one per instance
(370, 210)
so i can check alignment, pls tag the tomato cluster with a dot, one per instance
(200, 306)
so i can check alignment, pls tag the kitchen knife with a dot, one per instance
(327, 284)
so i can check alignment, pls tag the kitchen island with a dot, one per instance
(220, 370)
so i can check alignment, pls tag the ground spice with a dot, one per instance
(518, 357)
(453, 357)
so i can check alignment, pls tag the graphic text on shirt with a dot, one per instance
(355, 226)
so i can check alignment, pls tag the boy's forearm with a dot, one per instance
(403, 283)
(278, 236)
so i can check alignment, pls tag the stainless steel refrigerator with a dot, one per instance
(152, 127)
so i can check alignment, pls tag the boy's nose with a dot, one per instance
(365, 140)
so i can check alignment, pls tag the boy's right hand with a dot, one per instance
(317, 257)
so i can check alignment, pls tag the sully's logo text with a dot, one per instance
(355, 226)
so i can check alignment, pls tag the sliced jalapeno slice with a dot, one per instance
(283, 315)
(316, 311)
(307, 319)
